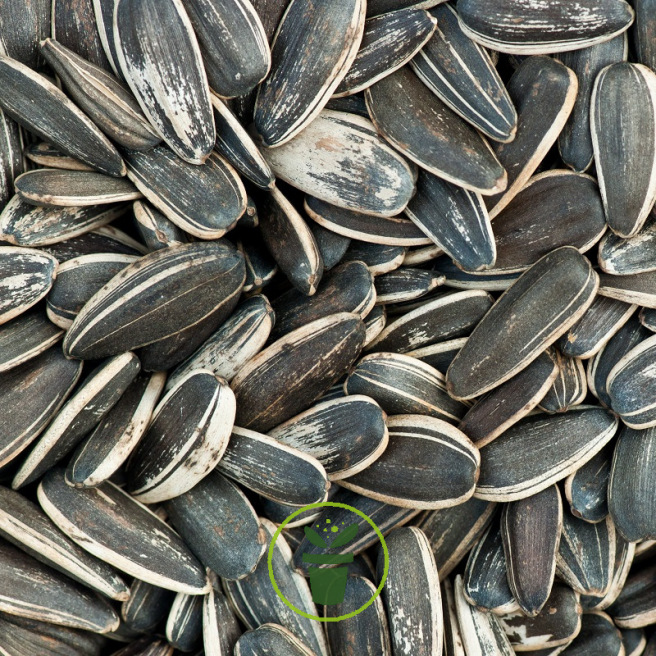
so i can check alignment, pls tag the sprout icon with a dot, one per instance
(328, 585)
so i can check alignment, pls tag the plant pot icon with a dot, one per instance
(328, 584)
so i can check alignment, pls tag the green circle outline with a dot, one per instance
(288, 603)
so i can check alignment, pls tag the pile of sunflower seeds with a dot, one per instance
(261, 254)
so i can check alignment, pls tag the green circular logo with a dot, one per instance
(288, 603)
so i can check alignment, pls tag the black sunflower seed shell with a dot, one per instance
(106, 239)
(425, 130)
(379, 258)
(530, 530)
(598, 635)
(184, 625)
(526, 28)
(406, 473)
(389, 41)
(632, 288)
(379, 7)
(463, 75)
(331, 245)
(623, 257)
(543, 91)
(147, 606)
(439, 355)
(635, 607)
(220, 627)
(642, 33)
(345, 434)
(586, 489)
(114, 319)
(156, 230)
(569, 388)
(487, 280)
(375, 323)
(271, 638)
(92, 400)
(541, 450)
(23, 25)
(453, 643)
(166, 76)
(456, 220)
(108, 523)
(303, 77)
(405, 284)
(553, 295)
(45, 154)
(12, 161)
(647, 318)
(115, 437)
(260, 265)
(270, 13)
(634, 641)
(39, 106)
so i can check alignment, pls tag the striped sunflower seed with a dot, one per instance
(586, 489)
(405, 284)
(147, 606)
(22, 26)
(12, 156)
(632, 288)
(569, 388)
(155, 229)
(106, 239)
(47, 155)
(331, 245)
(439, 355)
(642, 32)
(272, 638)
(622, 257)
(378, 7)
(634, 641)
(220, 627)
(598, 636)
(184, 625)
(379, 258)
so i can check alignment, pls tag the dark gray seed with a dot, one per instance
(636, 605)
(331, 245)
(114, 439)
(530, 530)
(527, 27)
(78, 280)
(46, 155)
(486, 575)
(59, 188)
(238, 340)
(347, 288)
(257, 603)
(146, 646)
(439, 355)
(147, 606)
(647, 318)
(453, 642)
(569, 388)
(624, 257)
(402, 385)
(83, 411)
(556, 208)
(155, 229)
(541, 450)
(104, 12)
(450, 315)
(279, 512)
(128, 312)
(22, 26)
(111, 525)
(219, 524)
(270, 13)
(278, 472)
(632, 288)
(340, 159)
(634, 641)
(74, 26)
(453, 531)
(166, 76)
(631, 492)
(557, 624)
(37, 592)
(406, 284)
(26, 526)
(389, 42)
(379, 258)
(390, 231)
(40, 107)
(24, 224)
(598, 636)
(186, 438)
(488, 280)
(12, 163)
(345, 434)
(456, 220)
(220, 627)
(32, 394)
(424, 129)
(575, 140)
(26, 337)
(628, 336)
(592, 332)
(303, 75)
(375, 323)
(415, 621)
(105, 99)
(427, 464)
(504, 406)
(233, 44)
(586, 557)
(205, 201)
(624, 144)
(482, 633)
(271, 638)
(544, 92)
(184, 626)
(366, 632)
(107, 239)
(551, 296)
(290, 241)
(587, 488)
(378, 7)
(631, 385)
(275, 385)
(643, 32)
(462, 74)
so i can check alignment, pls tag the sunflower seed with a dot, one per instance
(635, 607)
(405, 284)
(114, 439)
(39, 106)
(107, 239)
(540, 450)
(453, 642)
(569, 388)
(643, 30)
(279, 512)
(220, 627)
(146, 647)
(22, 26)
(271, 638)
(624, 555)
(104, 13)
(331, 245)
(147, 606)
(307, 74)
(553, 295)
(378, 7)
(155, 229)
(375, 323)
(439, 355)
(463, 76)
(621, 257)
(587, 488)
(425, 130)
(527, 27)
(167, 77)
(184, 626)
(487, 280)
(634, 641)
(270, 13)
(11, 158)
(114, 319)
(46, 155)
(83, 411)
(598, 636)
(379, 258)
